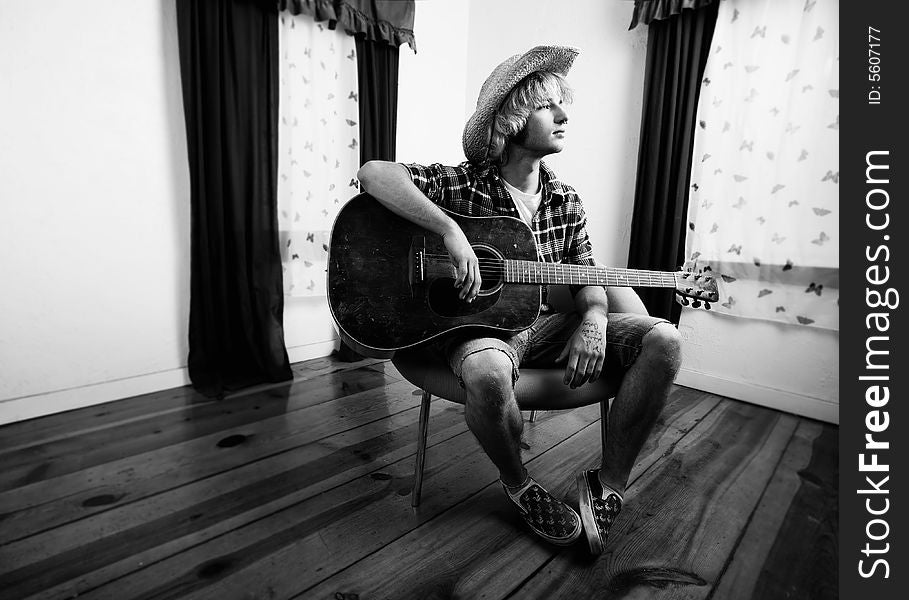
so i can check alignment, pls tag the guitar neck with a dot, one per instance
(525, 271)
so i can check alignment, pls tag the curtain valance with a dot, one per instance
(646, 11)
(388, 21)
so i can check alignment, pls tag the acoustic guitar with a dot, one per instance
(391, 282)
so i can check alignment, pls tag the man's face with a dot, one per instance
(546, 127)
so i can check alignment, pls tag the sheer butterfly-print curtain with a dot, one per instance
(763, 206)
(318, 140)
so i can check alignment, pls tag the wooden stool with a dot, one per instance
(534, 390)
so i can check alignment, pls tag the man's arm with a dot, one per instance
(592, 300)
(586, 350)
(625, 300)
(390, 184)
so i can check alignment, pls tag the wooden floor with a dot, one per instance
(303, 491)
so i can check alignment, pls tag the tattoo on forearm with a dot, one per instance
(592, 336)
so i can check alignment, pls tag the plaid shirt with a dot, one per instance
(559, 225)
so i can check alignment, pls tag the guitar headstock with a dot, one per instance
(699, 286)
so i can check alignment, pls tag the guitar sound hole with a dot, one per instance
(491, 269)
(443, 296)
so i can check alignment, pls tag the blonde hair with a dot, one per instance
(511, 117)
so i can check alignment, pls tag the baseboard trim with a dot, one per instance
(310, 351)
(40, 405)
(792, 402)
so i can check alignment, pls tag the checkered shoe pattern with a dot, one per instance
(548, 517)
(599, 508)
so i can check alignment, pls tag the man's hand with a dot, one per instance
(465, 262)
(585, 351)
(390, 184)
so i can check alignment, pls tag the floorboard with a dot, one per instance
(49, 428)
(82, 449)
(52, 502)
(683, 515)
(302, 490)
(810, 517)
(341, 525)
(480, 548)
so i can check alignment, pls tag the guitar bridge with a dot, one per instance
(417, 267)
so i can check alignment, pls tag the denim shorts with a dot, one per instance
(540, 344)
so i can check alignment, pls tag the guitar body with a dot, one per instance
(391, 283)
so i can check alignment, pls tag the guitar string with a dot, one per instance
(539, 270)
(493, 267)
(497, 263)
(573, 274)
(576, 277)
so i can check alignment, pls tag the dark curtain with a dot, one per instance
(228, 63)
(377, 74)
(647, 11)
(388, 21)
(677, 50)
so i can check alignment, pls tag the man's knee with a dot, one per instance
(488, 374)
(663, 348)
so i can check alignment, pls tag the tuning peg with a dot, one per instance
(696, 304)
(684, 301)
(706, 306)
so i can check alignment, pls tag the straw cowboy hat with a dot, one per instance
(477, 132)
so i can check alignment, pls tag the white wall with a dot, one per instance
(600, 158)
(94, 193)
(94, 204)
(94, 209)
(308, 329)
(432, 85)
(782, 366)
(459, 43)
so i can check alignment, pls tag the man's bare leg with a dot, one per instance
(492, 412)
(495, 419)
(639, 401)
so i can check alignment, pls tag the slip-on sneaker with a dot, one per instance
(599, 506)
(548, 517)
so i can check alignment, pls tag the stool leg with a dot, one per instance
(533, 416)
(421, 449)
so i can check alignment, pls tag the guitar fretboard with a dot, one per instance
(525, 271)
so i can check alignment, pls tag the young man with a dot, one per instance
(522, 117)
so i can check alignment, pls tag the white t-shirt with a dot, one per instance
(527, 204)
